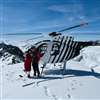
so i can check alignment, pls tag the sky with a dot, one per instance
(34, 16)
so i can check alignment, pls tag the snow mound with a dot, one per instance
(90, 56)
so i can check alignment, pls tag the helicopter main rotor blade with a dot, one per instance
(23, 34)
(80, 25)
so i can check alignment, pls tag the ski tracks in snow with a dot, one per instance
(72, 85)
(49, 93)
(52, 96)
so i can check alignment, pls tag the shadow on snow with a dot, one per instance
(63, 74)
(73, 73)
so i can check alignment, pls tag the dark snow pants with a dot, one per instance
(36, 69)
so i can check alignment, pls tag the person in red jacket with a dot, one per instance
(27, 63)
(35, 60)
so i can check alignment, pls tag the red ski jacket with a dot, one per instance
(37, 56)
(27, 62)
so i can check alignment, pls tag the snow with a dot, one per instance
(7, 58)
(78, 82)
(90, 57)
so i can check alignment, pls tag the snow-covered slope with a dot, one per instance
(77, 83)
(7, 52)
(90, 57)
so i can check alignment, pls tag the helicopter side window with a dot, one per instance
(43, 49)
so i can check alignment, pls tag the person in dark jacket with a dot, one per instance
(13, 60)
(35, 60)
(27, 63)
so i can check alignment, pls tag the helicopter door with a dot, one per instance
(55, 49)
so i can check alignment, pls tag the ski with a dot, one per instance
(43, 79)
(28, 84)
(20, 76)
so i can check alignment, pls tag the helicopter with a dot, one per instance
(60, 48)
(56, 44)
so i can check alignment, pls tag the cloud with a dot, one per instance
(73, 10)
(66, 8)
